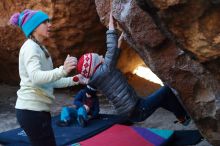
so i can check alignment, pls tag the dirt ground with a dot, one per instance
(160, 119)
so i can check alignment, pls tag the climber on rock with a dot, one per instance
(102, 74)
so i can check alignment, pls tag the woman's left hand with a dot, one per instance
(70, 63)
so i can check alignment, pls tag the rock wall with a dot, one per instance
(76, 29)
(179, 41)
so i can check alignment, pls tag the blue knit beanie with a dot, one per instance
(28, 20)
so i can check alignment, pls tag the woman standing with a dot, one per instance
(38, 78)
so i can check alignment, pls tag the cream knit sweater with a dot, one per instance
(38, 78)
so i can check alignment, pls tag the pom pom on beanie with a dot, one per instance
(14, 19)
(75, 79)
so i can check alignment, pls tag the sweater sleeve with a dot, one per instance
(112, 53)
(32, 61)
(65, 82)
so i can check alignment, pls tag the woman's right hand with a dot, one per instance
(70, 63)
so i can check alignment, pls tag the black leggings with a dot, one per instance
(37, 126)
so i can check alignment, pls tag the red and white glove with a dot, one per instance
(81, 79)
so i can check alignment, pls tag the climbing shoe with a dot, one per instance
(186, 121)
(183, 120)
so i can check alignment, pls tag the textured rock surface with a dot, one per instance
(178, 40)
(76, 29)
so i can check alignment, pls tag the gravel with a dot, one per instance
(160, 119)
